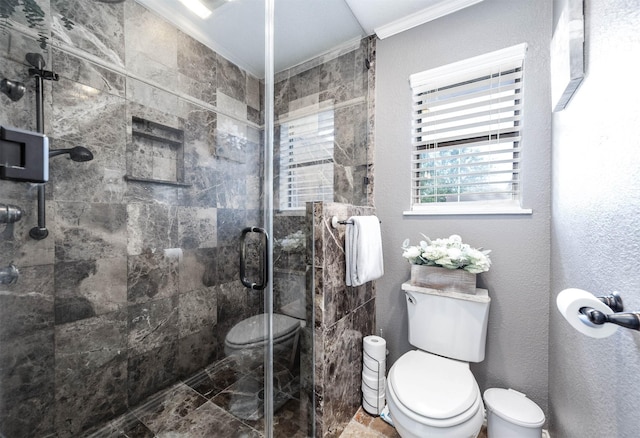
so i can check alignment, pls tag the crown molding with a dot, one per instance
(428, 14)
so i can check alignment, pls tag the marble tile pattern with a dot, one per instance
(137, 283)
(344, 82)
(364, 425)
(343, 316)
(218, 401)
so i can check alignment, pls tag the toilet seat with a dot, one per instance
(434, 390)
(251, 332)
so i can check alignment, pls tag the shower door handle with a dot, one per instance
(243, 259)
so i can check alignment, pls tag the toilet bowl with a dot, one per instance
(434, 396)
(248, 338)
(245, 346)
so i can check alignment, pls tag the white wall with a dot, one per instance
(518, 282)
(594, 384)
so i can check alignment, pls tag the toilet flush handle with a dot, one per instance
(410, 298)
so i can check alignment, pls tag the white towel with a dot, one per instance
(363, 250)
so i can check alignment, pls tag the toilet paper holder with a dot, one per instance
(630, 320)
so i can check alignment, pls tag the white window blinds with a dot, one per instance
(306, 160)
(467, 120)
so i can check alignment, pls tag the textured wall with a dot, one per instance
(594, 388)
(518, 282)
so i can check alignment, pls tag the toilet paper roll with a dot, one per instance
(375, 347)
(374, 406)
(372, 366)
(569, 303)
(375, 384)
(371, 394)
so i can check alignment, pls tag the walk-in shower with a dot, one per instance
(124, 310)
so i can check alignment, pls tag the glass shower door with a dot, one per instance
(121, 319)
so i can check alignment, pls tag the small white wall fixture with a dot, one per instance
(567, 54)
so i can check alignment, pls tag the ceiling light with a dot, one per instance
(197, 8)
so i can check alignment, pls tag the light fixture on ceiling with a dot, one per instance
(197, 7)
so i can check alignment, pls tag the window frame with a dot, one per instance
(452, 75)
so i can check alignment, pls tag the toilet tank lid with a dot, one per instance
(514, 406)
(481, 295)
(253, 329)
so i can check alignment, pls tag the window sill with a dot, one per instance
(479, 209)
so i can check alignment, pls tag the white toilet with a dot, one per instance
(246, 340)
(248, 337)
(431, 391)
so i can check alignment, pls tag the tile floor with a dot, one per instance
(217, 402)
(220, 401)
(364, 425)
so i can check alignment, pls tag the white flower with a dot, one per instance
(454, 238)
(449, 253)
(292, 242)
(411, 252)
(454, 253)
(434, 252)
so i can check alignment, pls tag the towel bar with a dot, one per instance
(335, 222)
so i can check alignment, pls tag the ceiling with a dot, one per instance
(304, 29)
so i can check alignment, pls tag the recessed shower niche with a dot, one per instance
(156, 153)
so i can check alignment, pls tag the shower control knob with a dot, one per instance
(9, 214)
(9, 275)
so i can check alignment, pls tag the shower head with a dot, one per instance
(13, 89)
(78, 153)
(36, 60)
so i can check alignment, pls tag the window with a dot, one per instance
(466, 147)
(306, 160)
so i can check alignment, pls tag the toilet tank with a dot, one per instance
(448, 324)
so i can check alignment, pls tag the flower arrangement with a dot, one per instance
(292, 242)
(449, 253)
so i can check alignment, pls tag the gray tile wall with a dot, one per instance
(342, 317)
(331, 347)
(344, 82)
(136, 284)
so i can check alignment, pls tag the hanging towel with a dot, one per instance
(363, 250)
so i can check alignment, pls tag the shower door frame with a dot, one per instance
(269, 126)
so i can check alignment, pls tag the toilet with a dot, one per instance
(246, 340)
(431, 391)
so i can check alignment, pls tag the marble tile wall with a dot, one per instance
(136, 285)
(343, 81)
(342, 317)
(331, 345)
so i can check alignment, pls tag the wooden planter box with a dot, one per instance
(448, 280)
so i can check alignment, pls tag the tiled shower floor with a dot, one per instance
(219, 401)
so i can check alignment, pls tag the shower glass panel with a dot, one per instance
(129, 317)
